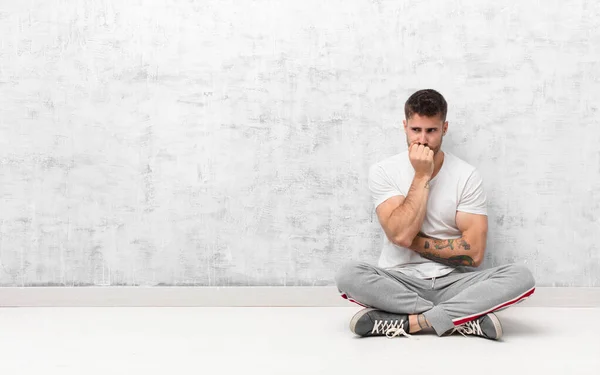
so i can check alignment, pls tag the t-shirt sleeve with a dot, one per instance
(381, 186)
(473, 199)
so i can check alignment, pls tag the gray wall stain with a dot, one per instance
(203, 144)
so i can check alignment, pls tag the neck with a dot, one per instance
(438, 160)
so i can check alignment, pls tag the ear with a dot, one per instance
(445, 127)
(405, 125)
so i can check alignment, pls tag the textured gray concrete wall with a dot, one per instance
(228, 142)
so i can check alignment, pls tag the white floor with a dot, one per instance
(283, 341)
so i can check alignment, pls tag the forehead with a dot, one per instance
(417, 121)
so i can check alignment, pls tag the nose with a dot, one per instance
(423, 139)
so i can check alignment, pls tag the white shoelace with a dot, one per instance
(469, 328)
(391, 328)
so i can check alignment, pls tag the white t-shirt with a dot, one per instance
(457, 187)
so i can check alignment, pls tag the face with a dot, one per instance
(427, 131)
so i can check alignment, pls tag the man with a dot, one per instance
(432, 208)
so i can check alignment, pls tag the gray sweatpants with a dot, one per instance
(447, 301)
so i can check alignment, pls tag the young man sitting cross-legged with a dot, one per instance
(432, 208)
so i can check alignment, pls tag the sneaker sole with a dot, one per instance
(357, 317)
(497, 325)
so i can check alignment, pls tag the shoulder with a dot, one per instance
(393, 163)
(391, 171)
(466, 176)
(460, 168)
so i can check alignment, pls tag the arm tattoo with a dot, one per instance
(443, 244)
(450, 244)
(465, 245)
(457, 260)
(432, 248)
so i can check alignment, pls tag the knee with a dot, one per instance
(349, 274)
(523, 275)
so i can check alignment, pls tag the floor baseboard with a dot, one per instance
(237, 297)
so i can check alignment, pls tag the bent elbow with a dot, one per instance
(478, 258)
(401, 241)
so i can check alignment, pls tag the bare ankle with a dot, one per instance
(413, 324)
(417, 323)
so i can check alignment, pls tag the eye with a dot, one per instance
(431, 130)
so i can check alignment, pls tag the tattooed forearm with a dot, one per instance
(445, 244)
(439, 245)
(456, 260)
(452, 252)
